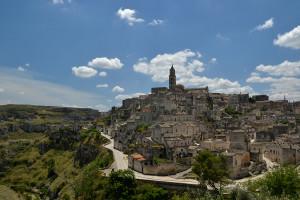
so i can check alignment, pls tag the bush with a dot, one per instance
(121, 185)
(231, 111)
(141, 128)
(150, 192)
(283, 182)
(210, 168)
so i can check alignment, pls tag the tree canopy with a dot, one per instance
(282, 182)
(210, 168)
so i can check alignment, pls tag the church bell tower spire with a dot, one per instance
(172, 78)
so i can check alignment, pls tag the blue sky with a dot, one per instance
(95, 53)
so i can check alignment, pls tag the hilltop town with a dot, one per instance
(164, 130)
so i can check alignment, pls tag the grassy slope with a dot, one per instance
(8, 194)
(30, 168)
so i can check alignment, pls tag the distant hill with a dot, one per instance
(32, 111)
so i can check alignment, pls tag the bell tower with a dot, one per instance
(172, 78)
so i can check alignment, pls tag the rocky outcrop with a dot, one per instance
(256, 168)
(34, 128)
(3, 131)
(85, 154)
(63, 139)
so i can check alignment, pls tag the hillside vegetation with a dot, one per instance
(48, 163)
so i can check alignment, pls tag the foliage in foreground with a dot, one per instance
(284, 182)
(120, 185)
(211, 169)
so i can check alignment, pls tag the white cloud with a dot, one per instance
(106, 63)
(58, 1)
(187, 66)
(129, 15)
(102, 107)
(156, 22)
(21, 69)
(102, 85)
(286, 68)
(2, 90)
(185, 62)
(220, 36)
(118, 89)
(102, 74)
(259, 79)
(39, 92)
(61, 1)
(266, 25)
(216, 84)
(128, 96)
(290, 39)
(281, 80)
(213, 61)
(285, 86)
(84, 72)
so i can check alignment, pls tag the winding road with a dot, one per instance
(121, 162)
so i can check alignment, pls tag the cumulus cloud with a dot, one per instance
(285, 68)
(118, 89)
(289, 39)
(22, 88)
(106, 63)
(129, 15)
(102, 74)
(84, 72)
(187, 66)
(156, 22)
(185, 62)
(266, 25)
(281, 80)
(102, 85)
(216, 84)
(128, 96)
(258, 79)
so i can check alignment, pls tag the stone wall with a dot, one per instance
(163, 169)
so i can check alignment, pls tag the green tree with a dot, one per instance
(141, 128)
(232, 111)
(211, 169)
(121, 185)
(283, 182)
(150, 192)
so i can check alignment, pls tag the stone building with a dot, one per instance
(238, 163)
(179, 122)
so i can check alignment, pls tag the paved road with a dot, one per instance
(121, 162)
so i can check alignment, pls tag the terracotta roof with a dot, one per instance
(137, 156)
